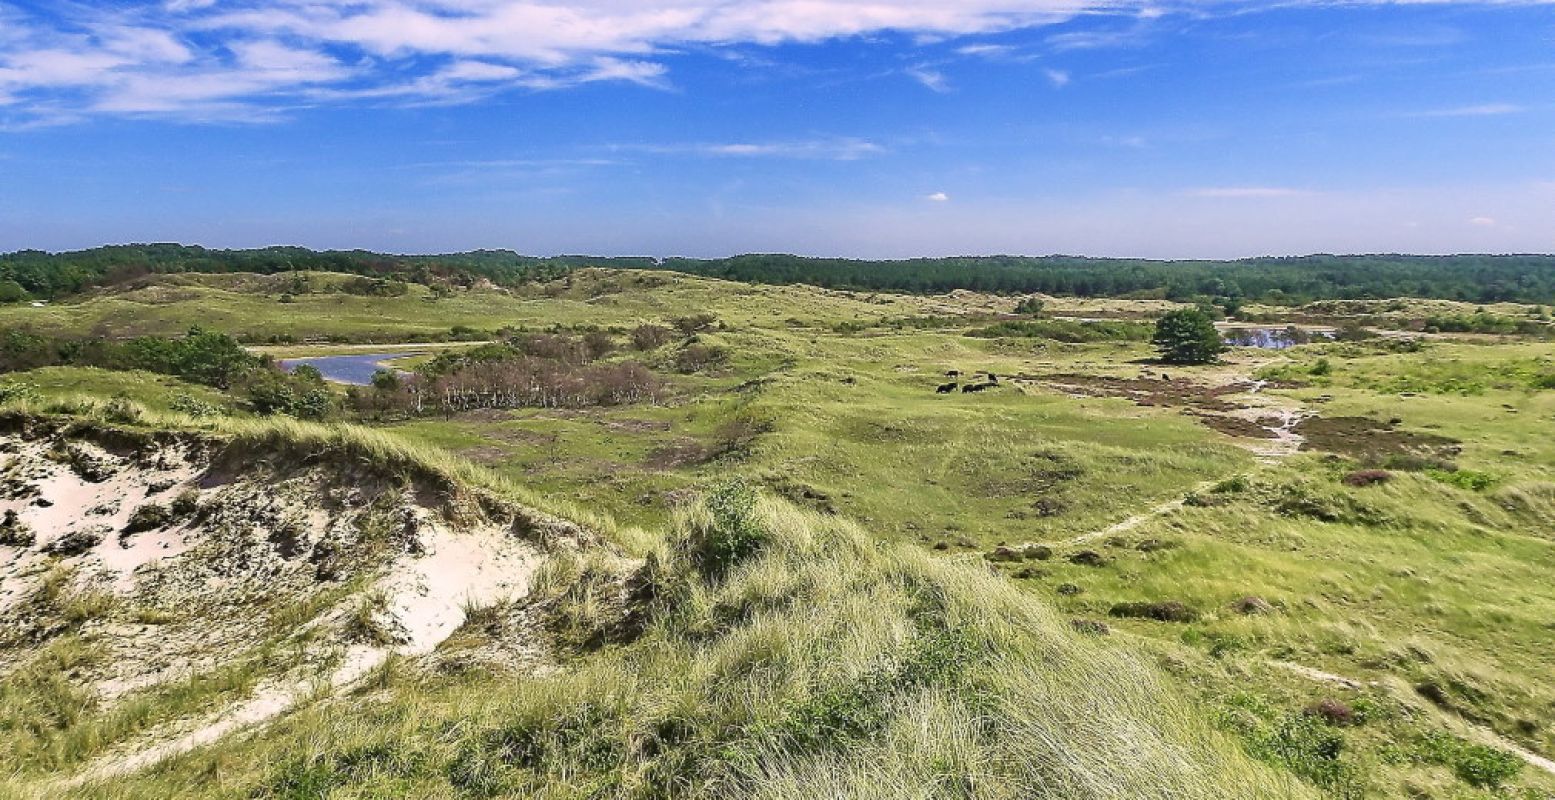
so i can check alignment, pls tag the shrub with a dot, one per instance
(1474, 764)
(1187, 336)
(1334, 712)
(1463, 479)
(694, 323)
(194, 407)
(730, 533)
(1161, 611)
(17, 392)
(1063, 330)
(1367, 477)
(697, 357)
(186, 503)
(650, 337)
(14, 532)
(148, 517)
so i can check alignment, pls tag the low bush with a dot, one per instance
(1367, 477)
(1463, 479)
(1160, 611)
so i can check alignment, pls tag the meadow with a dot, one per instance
(1325, 571)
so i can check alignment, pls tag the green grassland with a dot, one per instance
(1421, 605)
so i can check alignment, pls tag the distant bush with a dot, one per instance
(1187, 336)
(650, 337)
(201, 356)
(302, 394)
(375, 287)
(694, 323)
(697, 357)
(1070, 331)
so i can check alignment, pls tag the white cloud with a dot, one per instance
(1057, 77)
(1483, 222)
(937, 197)
(95, 55)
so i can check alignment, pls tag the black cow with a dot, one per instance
(978, 387)
(946, 388)
(955, 373)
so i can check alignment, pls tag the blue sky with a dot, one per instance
(871, 128)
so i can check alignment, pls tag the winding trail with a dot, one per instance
(1485, 735)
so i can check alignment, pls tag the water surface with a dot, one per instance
(355, 369)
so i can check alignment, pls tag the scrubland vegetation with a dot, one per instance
(825, 567)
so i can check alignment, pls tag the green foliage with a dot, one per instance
(303, 395)
(1030, 306)
(207, 357)
(1187, 336)
(1463, 478)
(1297, 741)
(12, 292)
(731, 532)
(12, 391)
(1474, 764)
(194, 407)
(1278, 281)
(1064, 331)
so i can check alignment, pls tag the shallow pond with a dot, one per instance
(355, 369)
(1273, 338)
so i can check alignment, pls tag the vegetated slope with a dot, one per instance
(1478, 278)
(161, 589)
(760, 651)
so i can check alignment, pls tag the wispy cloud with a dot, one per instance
(102, 57)
(1485, 110)
(932, 79)
(1246, 192)
(1057, 77)
(937, 197)
(846, 149)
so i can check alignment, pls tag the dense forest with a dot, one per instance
(1290, 280)
(1282, 281)
(47, 275)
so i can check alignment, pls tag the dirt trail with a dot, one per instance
(425, 601)
(1136, 520)
(1484, 735)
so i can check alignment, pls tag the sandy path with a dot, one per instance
(1485, 735)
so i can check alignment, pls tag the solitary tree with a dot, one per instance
(1187, 336)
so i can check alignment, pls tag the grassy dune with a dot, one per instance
(805, 662)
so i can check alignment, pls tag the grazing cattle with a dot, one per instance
(954, 373)
(993, 379)
(946, 388)
(978, 387)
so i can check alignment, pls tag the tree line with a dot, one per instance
(1281, 281)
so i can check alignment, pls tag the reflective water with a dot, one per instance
(355, 369)
(1273, 338)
